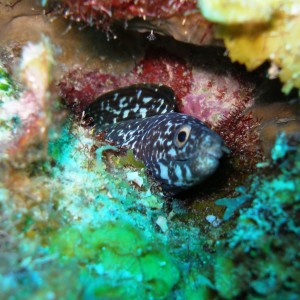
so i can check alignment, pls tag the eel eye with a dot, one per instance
(182, 135)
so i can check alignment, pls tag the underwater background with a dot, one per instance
(82, 219)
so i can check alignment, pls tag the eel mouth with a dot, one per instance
(213, 152)
(217, 152)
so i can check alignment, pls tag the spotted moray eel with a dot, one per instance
(178, 150)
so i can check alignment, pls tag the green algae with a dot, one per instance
(7, 86)
(94, 228)
(226, 278)
(124, 263)
(8, 91)
(196, 286)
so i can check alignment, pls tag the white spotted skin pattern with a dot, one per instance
(132, 102)
(153, 141)
(142, 118)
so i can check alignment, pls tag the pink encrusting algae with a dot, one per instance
(214, 97)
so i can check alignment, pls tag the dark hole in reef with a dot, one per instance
(233, 170)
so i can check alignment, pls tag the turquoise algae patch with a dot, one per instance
(89, 239)
(261, 254)
(119, 253)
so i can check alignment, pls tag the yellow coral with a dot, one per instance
(257, 31)
(241, 11)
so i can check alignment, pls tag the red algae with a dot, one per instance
(240, 132)
(180, 19)
(162, 67)
(80, 88)
(102, 13)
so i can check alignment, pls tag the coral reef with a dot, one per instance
(93, 229)
(117, 244)
(79, 219)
